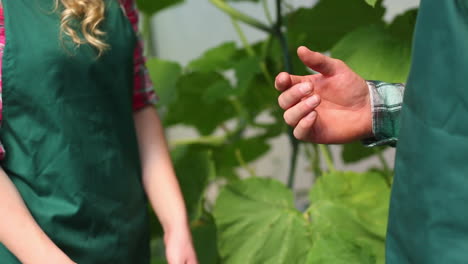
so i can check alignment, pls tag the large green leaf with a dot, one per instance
(351, 208)
(378, 52)
(339, 237)
(366, 194)
(190, 110)
(257, 223)
(336, 249)
(151, 7)
(164, 75)
(323, 25)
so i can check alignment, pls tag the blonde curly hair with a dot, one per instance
(90, 14)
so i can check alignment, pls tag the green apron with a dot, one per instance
(429, 205)
(69, 135)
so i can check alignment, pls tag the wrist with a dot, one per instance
(181, 226)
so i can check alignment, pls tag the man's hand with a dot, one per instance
(330, 107)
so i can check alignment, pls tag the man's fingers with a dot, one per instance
(285, 80)
(317, 61)
(293, 115)
(294, 95)
(303, 129)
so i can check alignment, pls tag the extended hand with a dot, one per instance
(332, 106)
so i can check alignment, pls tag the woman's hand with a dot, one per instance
(330, 107)
(179, 247)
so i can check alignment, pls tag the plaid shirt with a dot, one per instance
(386, 103)
(143, 92)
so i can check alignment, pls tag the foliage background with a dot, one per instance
(223, 93)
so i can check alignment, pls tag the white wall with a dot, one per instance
(184, 32)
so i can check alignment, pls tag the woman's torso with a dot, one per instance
(69, 133)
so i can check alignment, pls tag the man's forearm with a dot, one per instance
(20, 233)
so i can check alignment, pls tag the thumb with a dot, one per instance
(317, 61)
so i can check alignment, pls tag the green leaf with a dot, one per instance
(205, 239)
(246, 69)
(157, 251)
(349, 217)
(190, 110)
(259, 96)
(164, 75)
(375, 54)
(371, 2)
(403, 25)
(250, 148)
(151, 7)
(220, 90)
(354, 152)
(255, 1)
(215, 59)
(323, 25)
(366, 194)
(194, 168)
(338, 237)
(257, 223)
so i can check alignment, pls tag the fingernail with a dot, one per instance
(312, 101)
(305, 88)
(312, 115)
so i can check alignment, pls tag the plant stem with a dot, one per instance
(243, 38)
(382, 160)
(267, 11)
(236, 14)
(147, 32)
(317, 166)
(313, 154)
(278, 32)
(250, 51)
(328, 157)
(243, 164)
(386, 168)
(244, 118)
(208, 140)
(282, 38)
(293, 160)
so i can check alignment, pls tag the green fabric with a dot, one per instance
(70, 137)
(386, 103)
(429, 205)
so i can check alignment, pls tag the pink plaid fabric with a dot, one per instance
(143, 92)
